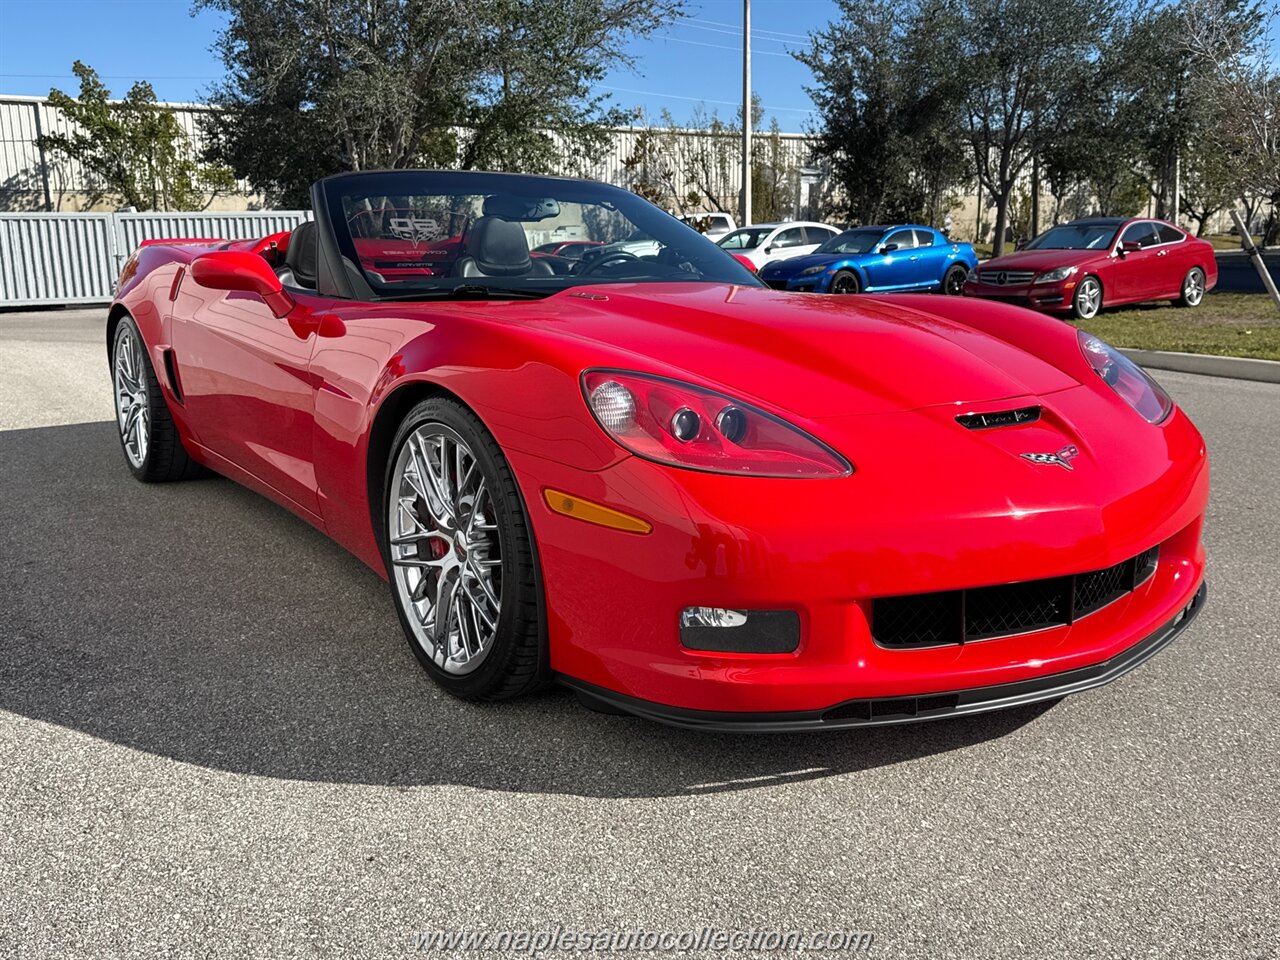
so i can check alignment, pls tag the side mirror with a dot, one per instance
(888, 247)
(770, 248)
(238, 270)
(1130, 246)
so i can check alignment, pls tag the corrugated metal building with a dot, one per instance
(30, 181)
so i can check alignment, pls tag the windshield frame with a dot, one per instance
(342, 274)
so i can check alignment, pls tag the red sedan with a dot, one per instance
(1080, 267)
(657, 481)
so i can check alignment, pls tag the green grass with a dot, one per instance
(1227, 324)
(1223, 241)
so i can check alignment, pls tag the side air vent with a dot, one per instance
(998, 418)
(171, 373)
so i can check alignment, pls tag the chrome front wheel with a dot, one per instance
(445, 548)
(460, 556)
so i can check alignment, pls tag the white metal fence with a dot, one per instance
(64, 258)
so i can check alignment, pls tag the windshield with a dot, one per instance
(746, 239)
(421, 233)
(852, 241)
(1075, 236)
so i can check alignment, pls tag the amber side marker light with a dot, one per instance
(571, 506)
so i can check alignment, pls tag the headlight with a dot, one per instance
(1054, 275)
(810, 271)
(1126, 378)
(686, 426)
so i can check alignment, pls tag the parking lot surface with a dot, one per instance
(215, 743)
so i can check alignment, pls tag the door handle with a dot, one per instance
(915, 258)
(1162, 253)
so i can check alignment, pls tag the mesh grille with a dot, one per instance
(1096, 590)
(933, 619)
(925, 620)
(1016, 608)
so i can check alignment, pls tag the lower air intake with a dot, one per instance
(983, 613)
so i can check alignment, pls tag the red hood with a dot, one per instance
(816, 356)
(1042, 260)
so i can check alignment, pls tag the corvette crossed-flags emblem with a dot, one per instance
(1062, 457)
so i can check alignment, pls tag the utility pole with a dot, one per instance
(1177, 182)
(746, 113)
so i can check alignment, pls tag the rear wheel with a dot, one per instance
(1192, 288)
(846, 281)
(1088, 299)
(953, 282)
(150, 441)
(460, 556)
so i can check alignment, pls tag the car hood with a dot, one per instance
(1042, 260)
(793, 265)
(813, 356)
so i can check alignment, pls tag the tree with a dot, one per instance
(132, 150)
(1208, 184)
(1227, 40)
(888, 111)
(1009, 61)
(319, 86)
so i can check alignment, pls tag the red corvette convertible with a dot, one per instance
(655, 480)
(1080, 267)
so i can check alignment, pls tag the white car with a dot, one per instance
(763, 243)
(718, 224)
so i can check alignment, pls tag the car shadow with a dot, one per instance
(200, 622)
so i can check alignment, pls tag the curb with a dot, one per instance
(1208, 365)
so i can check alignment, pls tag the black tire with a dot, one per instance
(1192, 288)
(845, 281)
(515, 663)
(953, 281)
(165, 458)
(1084, 305)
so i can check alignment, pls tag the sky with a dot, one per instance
(697, 59)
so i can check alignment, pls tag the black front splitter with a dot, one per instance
(886, 711)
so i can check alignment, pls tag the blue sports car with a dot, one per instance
(877, 259)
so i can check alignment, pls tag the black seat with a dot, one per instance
(302, 257)
(498, 248)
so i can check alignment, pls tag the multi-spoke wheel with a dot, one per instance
(151, 444)
(459, 555)
(133, 401)
(953, 282)
(1088, 299)
(1192, 288)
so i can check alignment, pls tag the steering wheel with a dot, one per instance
(621, 256)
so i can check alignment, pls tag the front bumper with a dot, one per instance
(813, 283)
(929, 508)
(888, 711)
(1046, 297)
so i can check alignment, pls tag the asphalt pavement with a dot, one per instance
(215, 743)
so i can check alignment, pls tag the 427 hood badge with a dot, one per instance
(1061, 457)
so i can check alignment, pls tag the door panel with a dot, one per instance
(248, 391)
(894, 269)
(933, 259)
(1136, 276)
(1179, 258)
